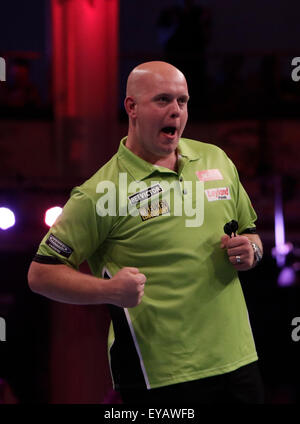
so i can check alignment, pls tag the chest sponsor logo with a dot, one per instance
(59, 246)
(145, 194)
(220, 193)
(209, 175)
(154, 209)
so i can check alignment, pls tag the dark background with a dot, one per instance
(237, 59)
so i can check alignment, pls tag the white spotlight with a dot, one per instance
(51, 215)
(7, 218)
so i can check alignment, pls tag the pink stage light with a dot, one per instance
(52, 214)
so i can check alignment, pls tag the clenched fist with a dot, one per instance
(240, 251)
(128, 287)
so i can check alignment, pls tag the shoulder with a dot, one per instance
(106, 173)
(202, 148)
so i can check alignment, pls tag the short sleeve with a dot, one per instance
(245, 212)
(77, 233)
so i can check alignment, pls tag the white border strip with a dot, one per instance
(133, 336)
(109, 356)
(137, 348)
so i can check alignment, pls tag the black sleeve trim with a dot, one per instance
(49, 260)
(250, 231)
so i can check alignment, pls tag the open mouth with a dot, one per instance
(169, 130)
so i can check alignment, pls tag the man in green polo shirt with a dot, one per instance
(150, 224)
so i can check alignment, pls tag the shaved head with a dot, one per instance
(156, 104)
(143, 75)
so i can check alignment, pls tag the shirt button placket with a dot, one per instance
(184, 191)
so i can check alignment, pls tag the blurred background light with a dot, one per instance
(287, 276)
(7, 218)
(52, 214)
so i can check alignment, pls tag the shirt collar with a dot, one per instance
(140, 169)
(186, 151)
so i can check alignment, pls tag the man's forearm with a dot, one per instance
(65, 284)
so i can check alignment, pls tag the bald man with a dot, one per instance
(156, 100)
(180, 324)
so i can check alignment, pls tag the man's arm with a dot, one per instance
(65, 284)
(240, 246)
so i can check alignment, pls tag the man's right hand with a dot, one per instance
(128, 284)
(65, 284)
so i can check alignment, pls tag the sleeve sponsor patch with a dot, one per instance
(58, 246)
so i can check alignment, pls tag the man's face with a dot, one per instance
(160, 114)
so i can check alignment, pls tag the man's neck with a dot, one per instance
(170, 162)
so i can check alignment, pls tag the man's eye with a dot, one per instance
(163, 99)
(182, 101)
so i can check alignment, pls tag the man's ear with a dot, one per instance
(130, 106)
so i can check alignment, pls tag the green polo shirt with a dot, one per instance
(192, 322)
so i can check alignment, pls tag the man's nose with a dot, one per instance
(175, 109)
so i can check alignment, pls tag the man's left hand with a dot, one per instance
(239, 250)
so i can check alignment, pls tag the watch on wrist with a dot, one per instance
(257, 253)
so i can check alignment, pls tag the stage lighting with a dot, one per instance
(287, 276)
(51, 215)
(7, 218)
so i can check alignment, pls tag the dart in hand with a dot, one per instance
(231, 228)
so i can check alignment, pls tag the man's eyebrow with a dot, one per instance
(181, 96)
(162, 95)
(185, 97)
